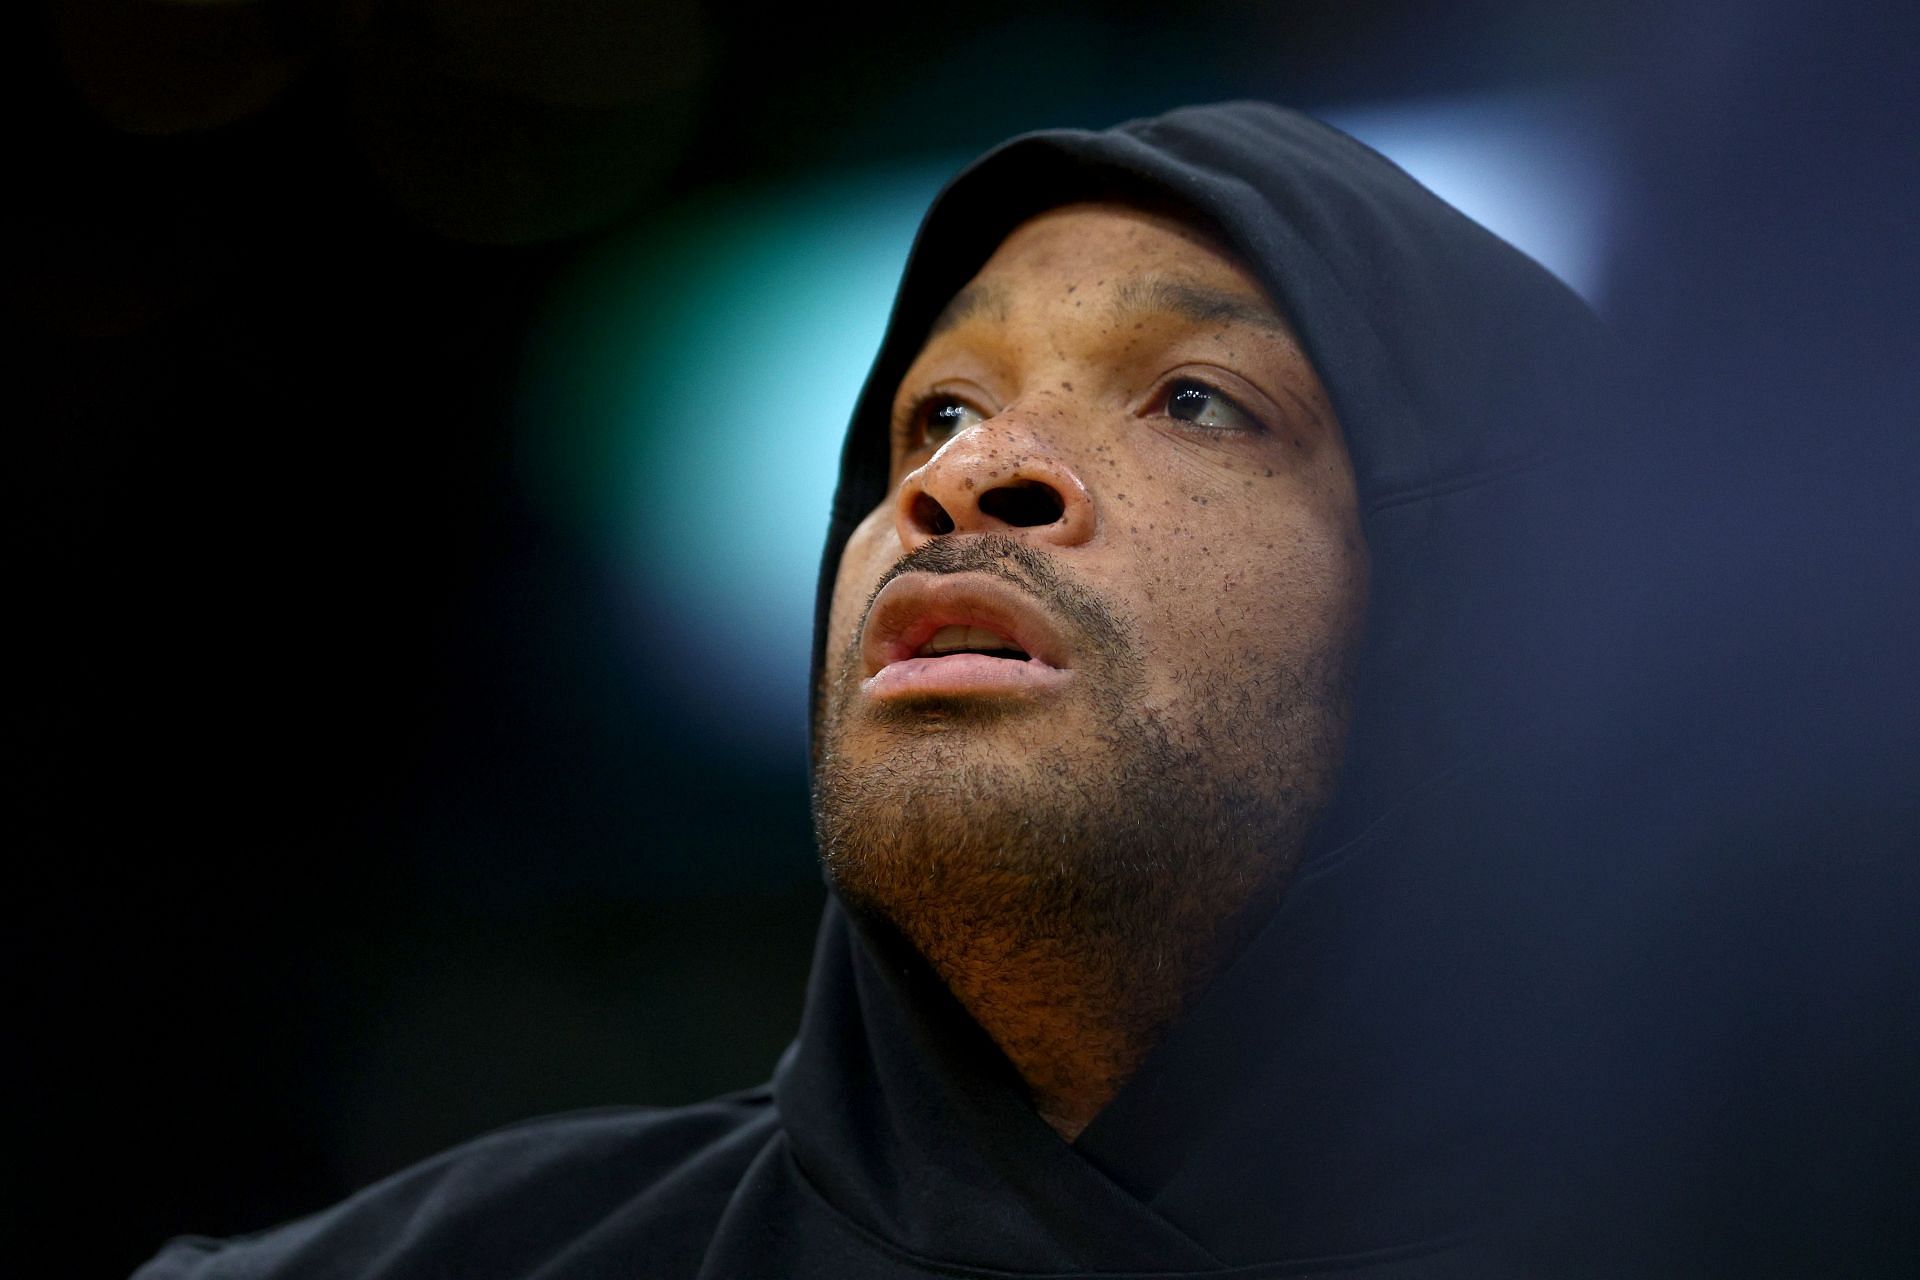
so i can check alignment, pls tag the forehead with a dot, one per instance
(1077, 237)
(1125, 256)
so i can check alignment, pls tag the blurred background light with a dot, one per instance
(686, 404)
(1535, 169)
(692, 380)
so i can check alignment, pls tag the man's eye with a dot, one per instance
(1200, 404)
(941, 418)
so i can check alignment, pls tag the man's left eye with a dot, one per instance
(1192, 401)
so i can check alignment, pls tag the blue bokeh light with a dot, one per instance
(1534, 169)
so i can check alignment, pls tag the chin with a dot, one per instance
(954, 713)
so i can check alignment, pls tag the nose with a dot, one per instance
(994, 477)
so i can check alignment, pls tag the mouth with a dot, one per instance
(959, 635)
(955, 638)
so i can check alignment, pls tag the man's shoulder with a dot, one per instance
(619, 1179)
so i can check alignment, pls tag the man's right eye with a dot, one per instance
(939, 418)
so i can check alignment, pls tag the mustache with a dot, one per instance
(1013, 561)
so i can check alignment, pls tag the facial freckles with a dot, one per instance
(1117, 396)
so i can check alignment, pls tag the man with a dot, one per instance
(1187, 602)
(1087, 661)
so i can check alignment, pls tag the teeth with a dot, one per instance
(952, 639)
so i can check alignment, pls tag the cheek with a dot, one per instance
(870, 551)
(1238, 590)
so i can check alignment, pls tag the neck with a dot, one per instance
(1075, 1011)
(1056, 1022)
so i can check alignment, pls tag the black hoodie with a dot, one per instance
(1380, 1083)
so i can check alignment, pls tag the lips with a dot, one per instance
(958, 635)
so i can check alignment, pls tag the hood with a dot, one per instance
(1357, 1081)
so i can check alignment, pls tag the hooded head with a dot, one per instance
(1086, 662)
(1456, 368)
(1229, 447)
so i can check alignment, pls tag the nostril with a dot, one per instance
(1023, 504)
(930, 515)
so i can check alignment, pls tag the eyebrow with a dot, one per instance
(980, 298)
(1166, 295)
(1198, 303)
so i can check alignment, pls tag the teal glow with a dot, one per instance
(688, 399)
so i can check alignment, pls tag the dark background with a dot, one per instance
(351, 824)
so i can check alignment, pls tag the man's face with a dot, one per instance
(1107, 610)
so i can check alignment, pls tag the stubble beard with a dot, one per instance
(1130, 858)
